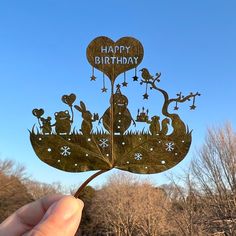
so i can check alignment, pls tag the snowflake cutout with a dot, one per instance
(170, 146)
(103, 142)
(138, 156)
(65, 151)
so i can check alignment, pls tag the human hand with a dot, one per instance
(53, 215)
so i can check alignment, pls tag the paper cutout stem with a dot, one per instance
(80, 189)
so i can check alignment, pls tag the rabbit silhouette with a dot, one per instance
(86, 126)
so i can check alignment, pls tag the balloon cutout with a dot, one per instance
(68, 99)
(38, 112)
(111, 140)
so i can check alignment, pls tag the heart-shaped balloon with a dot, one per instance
(69, 99)
(114, 58)
(38, 112)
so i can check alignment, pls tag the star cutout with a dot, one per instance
(118, 86)
(104, 90)
(192, 107)
(176, 108)
(145, 96)
(92, 78)
(124, 84)
(135, 78)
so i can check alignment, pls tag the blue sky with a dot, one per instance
(42, 56)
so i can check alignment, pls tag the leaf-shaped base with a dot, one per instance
(137, 153)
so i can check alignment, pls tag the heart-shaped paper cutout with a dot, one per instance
(38, 112)
(114, 58)
(69, 99)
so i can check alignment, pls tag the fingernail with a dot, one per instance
(70, 208)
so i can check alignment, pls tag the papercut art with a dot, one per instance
(111, 140)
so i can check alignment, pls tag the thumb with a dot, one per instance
(61, 219)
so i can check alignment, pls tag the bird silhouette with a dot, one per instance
(146, 75)
(164, 126)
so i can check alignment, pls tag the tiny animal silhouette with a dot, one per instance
(46, 126)
(154, 125)
(63, 122)
(164, 126)
(148, 77)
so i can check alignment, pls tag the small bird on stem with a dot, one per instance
(146, 75)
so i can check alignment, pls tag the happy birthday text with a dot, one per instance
(115, 59)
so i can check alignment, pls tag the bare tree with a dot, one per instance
(214, 171)
(13, 193)
(38, 189)
(10, 168)
(204, 200)
(16, 188)
(185, 211)
(127, 207)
